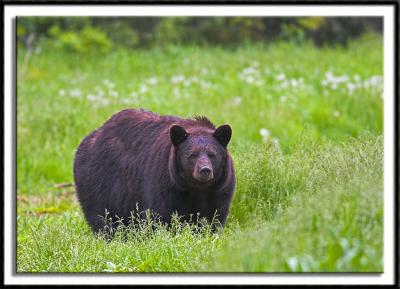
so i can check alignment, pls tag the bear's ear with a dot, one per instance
(177, 134)
(223, 134)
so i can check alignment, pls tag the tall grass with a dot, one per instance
(309, 213)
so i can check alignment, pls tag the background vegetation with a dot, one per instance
(307, 141)
(82, 34)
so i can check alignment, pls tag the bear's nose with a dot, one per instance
(205, 171)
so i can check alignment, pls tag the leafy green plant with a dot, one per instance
(89, 39)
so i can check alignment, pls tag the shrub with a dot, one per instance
(85, 40)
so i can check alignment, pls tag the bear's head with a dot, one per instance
(200, 152)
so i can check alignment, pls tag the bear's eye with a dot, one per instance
(194, 155)
(211, 155)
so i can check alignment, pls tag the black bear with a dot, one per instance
(139, 160)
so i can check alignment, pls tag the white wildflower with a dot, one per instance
(113, 93)
(340, 79)
(108, 83)
(205, 84)
(249, 79)
(376, 80)
(193, 79)
(178, 78)
(236, 101)
(126, 101)
(275, 141)
(329, 75)
(204, 71)
(248, 70)
(61, 92)
(152, 80)
(111, 265)
(177, 93)
(264, 132)
(334, 81)
(75, 92)
(92, 97)
(284, 84)
(104, 101)
(280, 76)
(215, 238)
(292, 263)
(143, 88)
(99, 91)
(351, 86)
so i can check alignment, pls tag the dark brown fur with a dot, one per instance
(131, 161)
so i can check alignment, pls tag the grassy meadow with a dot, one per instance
(307, 146)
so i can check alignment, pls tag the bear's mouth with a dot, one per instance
(203, 177)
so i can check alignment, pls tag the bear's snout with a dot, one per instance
(203, 170)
